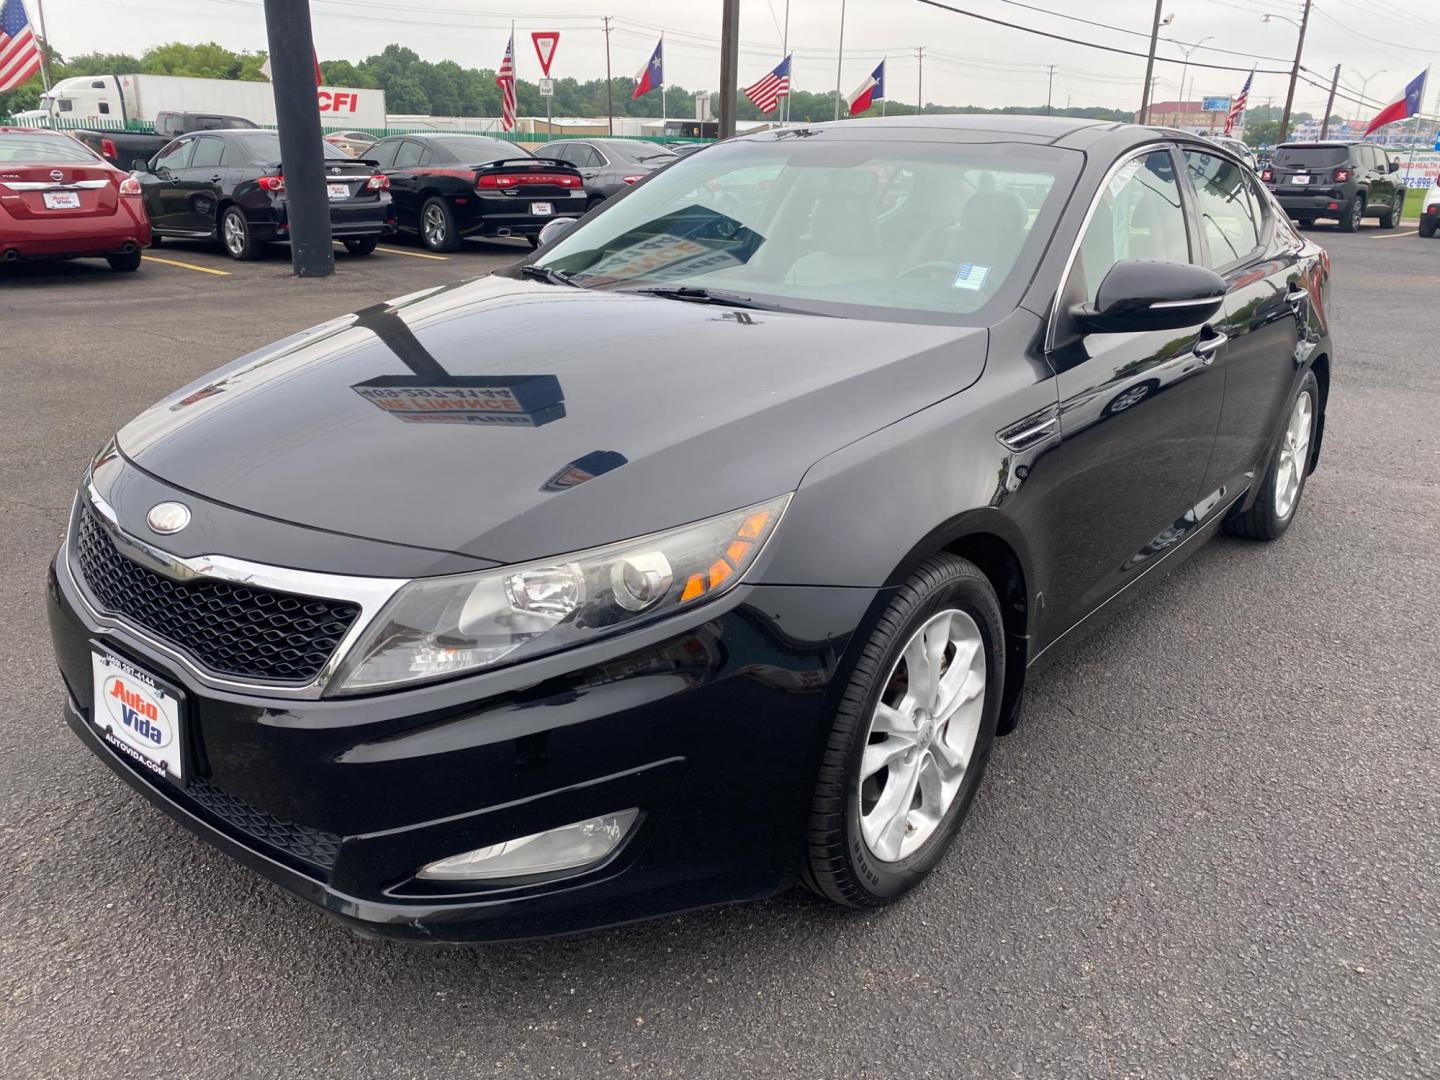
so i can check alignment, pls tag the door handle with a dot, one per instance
(216, 178)
(1206, 347)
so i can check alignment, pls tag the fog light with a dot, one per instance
(567, 848)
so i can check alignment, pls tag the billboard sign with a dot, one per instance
(1215, 104)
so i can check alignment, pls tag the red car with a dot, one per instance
(59, 200)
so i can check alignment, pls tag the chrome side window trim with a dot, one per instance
(370, 594)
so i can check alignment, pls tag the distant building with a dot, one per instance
(1188, 115)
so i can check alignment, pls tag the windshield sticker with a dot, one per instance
(970, 276)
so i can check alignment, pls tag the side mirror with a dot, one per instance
(554, 230)
(140, 165)
(1394, 166)
(1148, 294)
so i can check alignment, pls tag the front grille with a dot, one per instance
(231, 629)
(314, 846)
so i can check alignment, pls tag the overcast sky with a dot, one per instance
(966, 62)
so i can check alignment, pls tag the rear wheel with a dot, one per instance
(1427, 225)
(1391, 215)
(1352, 214)
(911, 737)
(235, 234)
(155, 239)
(534, 240)
(437, 226)
(124, 260)
(361, 245)
(1284, 482)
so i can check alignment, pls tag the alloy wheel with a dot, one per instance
(1357, 211)
(1294, 455)
(922, 735)
(434, 226)
(234, 234)
(1133, 396)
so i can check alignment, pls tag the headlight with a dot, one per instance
(434, 628)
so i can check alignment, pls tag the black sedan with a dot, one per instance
(609, 166)
(228, 186)
(710, 551)
(449, 187)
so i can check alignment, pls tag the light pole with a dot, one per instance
(1365, 82)
(1187, 50)
(1295, 69)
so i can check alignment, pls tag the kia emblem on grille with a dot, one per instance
(56, 175)
(168, 517)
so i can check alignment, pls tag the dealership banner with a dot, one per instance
(1421, 168)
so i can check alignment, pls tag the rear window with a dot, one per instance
(22, 148)
(1312, 157)
(641, 153)
(477, 149)
(263, 147)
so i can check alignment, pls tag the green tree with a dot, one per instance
(204, 61)
(344, 73)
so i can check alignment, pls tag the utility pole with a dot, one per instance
(1294, 75)
(840, 59)
(729, 65)
(1143, 116)
(1050, 92)
(920, 78)
(1330, 104)
(609, 86)
(297, 113)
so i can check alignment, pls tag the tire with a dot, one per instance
(841, 861)
(361, 245)
(534, 241)
(125, 261)
(235, 235)
(1391, 215)
(437, 226)
(1305, 222)
(1354, 212)
(155, 239)
(1427, 226)
(1273, 512)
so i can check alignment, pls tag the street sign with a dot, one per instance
(547, 87)
(545, 42)
(702, 105)
(1215, 104)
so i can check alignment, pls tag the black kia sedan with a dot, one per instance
(723, 563)
(452, 186)
(609, 166)
(229, 186)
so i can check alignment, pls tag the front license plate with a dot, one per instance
(338, 191)
(62, 200)
(542, 209)
(137, 716)
(1300, 180)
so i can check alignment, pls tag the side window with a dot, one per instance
(1138, 216)
(383, 153)
(559, 151)
(104, 108)
(410, 155)
(176, 155)
(587, 157)
(207, 153)
(1228, 210)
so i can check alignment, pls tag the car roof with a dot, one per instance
(1323, 144)
(33, 131)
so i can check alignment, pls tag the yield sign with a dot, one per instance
(545, 42)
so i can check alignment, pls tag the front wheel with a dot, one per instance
(1284, 482)
(911, 738)
(126, 261)
(437, 226)
(1353, 214)
(1391, 215)
(361, 245)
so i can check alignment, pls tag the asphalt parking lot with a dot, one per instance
(1211, 849)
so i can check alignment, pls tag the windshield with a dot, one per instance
(1312, 157)
(264, 147)
(21, 148)
(919, 231)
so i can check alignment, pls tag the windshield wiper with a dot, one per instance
(549, 274)
(697, 295)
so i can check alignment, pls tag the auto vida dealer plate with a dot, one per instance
(137, 716)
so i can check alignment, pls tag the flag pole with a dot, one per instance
(886, 97)
(44, 46)
(840, 59)
(784, 52)
(664, 115)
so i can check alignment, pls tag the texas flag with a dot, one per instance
(1404, 106)
(869, 92)
(652, 77)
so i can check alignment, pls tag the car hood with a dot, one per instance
(510, 420)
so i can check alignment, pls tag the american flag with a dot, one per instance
(506, 82)
(1237, 107)
(19, 51)
(766, 93)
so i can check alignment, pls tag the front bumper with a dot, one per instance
(712, 729)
